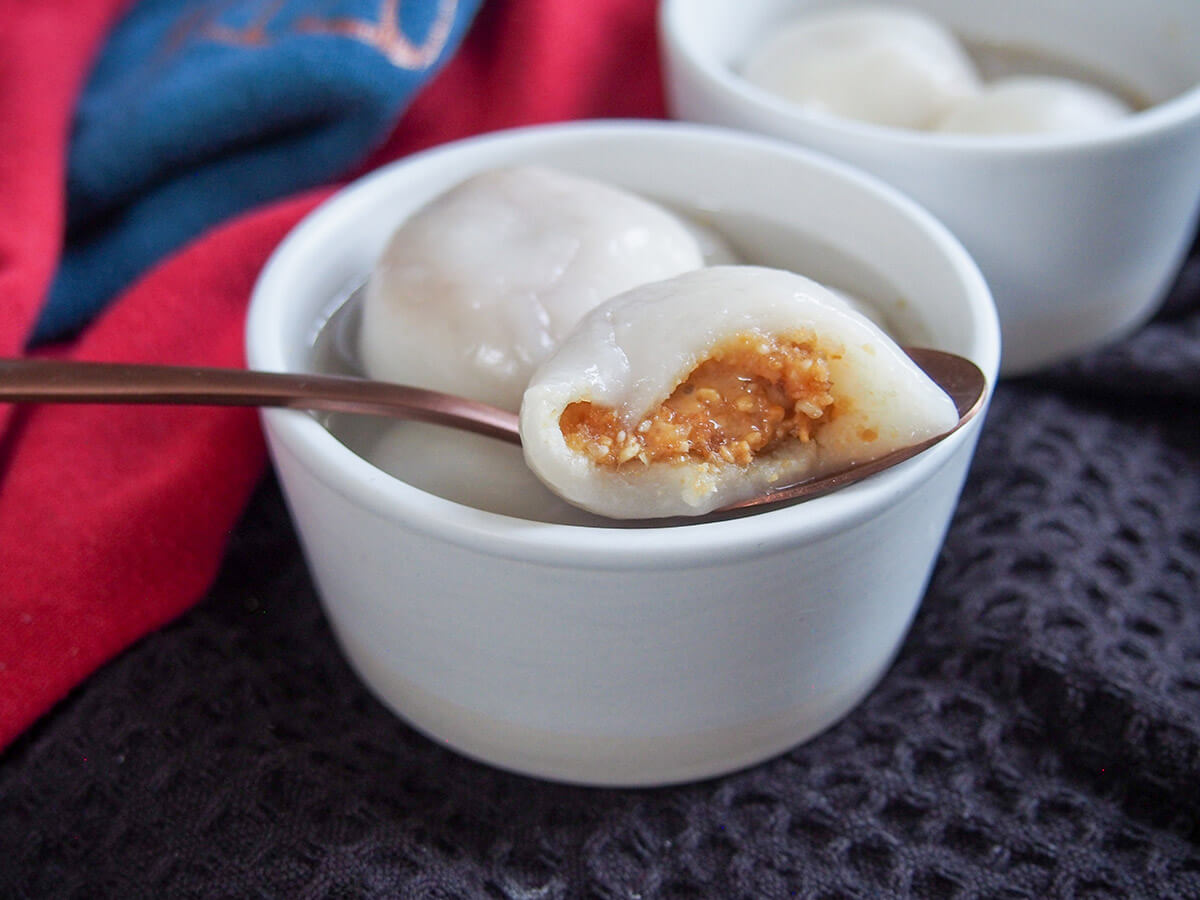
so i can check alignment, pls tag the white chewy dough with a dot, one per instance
(879, 64)
(631, 353)
(1034, 105)
(475, 289)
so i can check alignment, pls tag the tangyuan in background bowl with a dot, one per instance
(1067, 161)
(556, 643)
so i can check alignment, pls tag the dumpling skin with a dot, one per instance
(632, 351)
(475, 289)
(1034, 105)
(876, 64)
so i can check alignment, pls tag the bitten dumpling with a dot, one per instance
(478, 287)
(1034, 105)
(879, 64)
(682, 396)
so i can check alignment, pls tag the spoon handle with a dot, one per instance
(62, 381)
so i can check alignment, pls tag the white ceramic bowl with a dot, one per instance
(607, 655)
(1079, 236)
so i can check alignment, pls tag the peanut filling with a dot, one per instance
(750, 394)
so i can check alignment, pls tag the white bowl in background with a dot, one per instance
(609, 655)
(1079, 236)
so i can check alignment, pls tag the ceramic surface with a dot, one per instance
(1079, 236)
(608, 655)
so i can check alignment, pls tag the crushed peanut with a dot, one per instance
(751, 393)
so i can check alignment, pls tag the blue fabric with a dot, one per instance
(200, 109)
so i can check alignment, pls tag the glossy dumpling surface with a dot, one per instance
(1034, 105)
(478, 287)
(685, 395)
(879, 64)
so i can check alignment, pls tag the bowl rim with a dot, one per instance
(1152, 121)
(554, 544)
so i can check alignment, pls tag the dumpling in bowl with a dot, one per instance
(880, 64)
(682, 396)
(1032, 104)
(478, 287)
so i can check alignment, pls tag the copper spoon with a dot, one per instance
(57, 381)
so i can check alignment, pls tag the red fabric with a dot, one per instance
(113, 520)
(45, 50)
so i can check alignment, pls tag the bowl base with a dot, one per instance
(602, 760)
